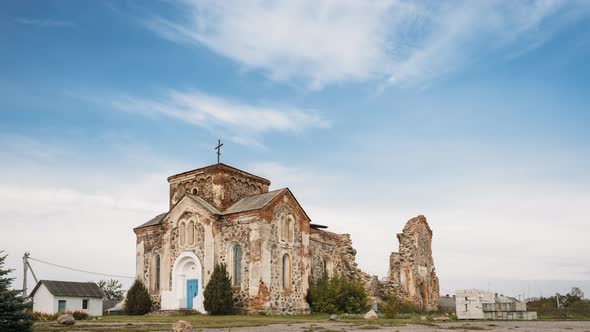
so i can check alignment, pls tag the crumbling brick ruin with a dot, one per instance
(411, 270)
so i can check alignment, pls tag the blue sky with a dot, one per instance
(474, 114)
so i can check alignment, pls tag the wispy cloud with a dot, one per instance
(322, 42)
(243, 121)
(46, 23)
(398, 42)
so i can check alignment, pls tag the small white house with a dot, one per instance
(50, 296)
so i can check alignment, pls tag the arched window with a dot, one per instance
(290, 228)
(154, 276)
(287, 228)
(195, 191)
(200, 235)
(236, 275)
(283, 225)
(328, 267)
(286, 280)
(182, 233)
(190, 233)
(157, 285)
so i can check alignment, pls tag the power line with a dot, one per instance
(79, 270)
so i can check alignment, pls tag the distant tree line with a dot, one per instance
(571, 304)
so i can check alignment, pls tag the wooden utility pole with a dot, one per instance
(26, 268)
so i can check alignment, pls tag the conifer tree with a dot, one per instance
(12, 304)
(218, 293)
(139, 301)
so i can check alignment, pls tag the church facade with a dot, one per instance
(220, 214)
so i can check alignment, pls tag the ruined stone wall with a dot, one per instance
(323, 247)
(337, 251)
(411, 272)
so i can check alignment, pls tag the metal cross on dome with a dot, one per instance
(218, 148)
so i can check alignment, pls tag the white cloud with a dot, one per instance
(514, 230)
(323, 42)
(326, 42)
(244, 121)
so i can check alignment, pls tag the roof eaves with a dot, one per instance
(152, 221)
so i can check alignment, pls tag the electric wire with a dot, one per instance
(79, 270)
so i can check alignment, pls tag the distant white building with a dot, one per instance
(50, 296)
(478, 304)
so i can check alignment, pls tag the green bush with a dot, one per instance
(569, 306)
(80, 315)
(391, 307)
(138, 300)
(42, 317)
(13, 306)
(218, 299)
(321, 296)
(407, 307)
(337, 295)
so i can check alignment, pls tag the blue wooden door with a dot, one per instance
(61, 306)
(192, 289)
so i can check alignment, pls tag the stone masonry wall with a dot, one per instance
(219, 185)
(149, 244)
(411, 271)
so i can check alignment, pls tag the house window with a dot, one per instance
(157, 285)
(85, 304)
(236, 275)
(286, 280)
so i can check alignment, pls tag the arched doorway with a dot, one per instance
(187, 282)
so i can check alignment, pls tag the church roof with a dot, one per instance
(154, 221)
(245, 204)
(253, 202)
(70, 288)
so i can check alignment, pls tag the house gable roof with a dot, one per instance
(70, 288)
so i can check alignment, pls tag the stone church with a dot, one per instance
(220, 214)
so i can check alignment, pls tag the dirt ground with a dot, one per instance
(514, 326)
(522, 326)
